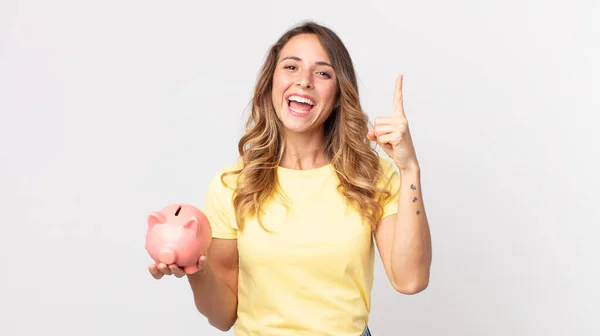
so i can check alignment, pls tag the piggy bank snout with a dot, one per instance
(178, 234)
(167, 256)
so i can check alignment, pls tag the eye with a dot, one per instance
(290, 67)
(324, 74)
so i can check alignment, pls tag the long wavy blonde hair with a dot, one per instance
(353, 158)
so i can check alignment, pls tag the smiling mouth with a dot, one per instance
(300, 105)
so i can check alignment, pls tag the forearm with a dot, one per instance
(411, 248)
(213, 298)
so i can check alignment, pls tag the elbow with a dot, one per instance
(221, 325)
(411, 289)
(223, 328)
(222, 322)
(411, 286)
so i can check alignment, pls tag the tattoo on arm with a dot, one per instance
(413, 188)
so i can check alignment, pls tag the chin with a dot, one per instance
(296, 126)
(298, 121)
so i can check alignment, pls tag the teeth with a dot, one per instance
(302, 100)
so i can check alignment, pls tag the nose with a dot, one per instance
(303, 81)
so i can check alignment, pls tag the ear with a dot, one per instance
(155, 218)
(192, 224)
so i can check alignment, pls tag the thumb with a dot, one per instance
(201, 265)
(371, 135)
(203, 260)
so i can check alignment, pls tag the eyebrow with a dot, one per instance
(296, 58)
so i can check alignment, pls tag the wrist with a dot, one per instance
(410, 169)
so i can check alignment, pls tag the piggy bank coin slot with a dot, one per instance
(177, 212)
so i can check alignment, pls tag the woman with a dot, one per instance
(294, 220)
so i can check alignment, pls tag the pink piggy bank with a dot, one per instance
(178, 234)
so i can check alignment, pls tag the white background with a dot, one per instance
(112, 109)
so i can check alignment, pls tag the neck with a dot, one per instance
(304, 151)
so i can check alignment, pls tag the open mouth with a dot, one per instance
(300, 105)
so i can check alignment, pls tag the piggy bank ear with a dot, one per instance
(192, 224)
(155, 218)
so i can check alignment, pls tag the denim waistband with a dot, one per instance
(366, 332)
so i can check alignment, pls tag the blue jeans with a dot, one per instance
(367, 332)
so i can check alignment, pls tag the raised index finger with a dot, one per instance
(398, 99)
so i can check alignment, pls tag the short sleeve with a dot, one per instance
(218, 208)
(390, 181)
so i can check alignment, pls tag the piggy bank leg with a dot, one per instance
(190, 269)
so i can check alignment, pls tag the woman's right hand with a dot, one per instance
(158, 270)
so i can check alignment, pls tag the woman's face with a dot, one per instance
(304, 84)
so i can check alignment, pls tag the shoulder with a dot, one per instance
(389, 181)
(387, 168)
(218, 205)
(389, 177)
(224, 180)
(385, 164)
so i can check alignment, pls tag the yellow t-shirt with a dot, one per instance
(313, 273)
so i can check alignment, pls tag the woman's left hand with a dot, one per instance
(393, 135)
